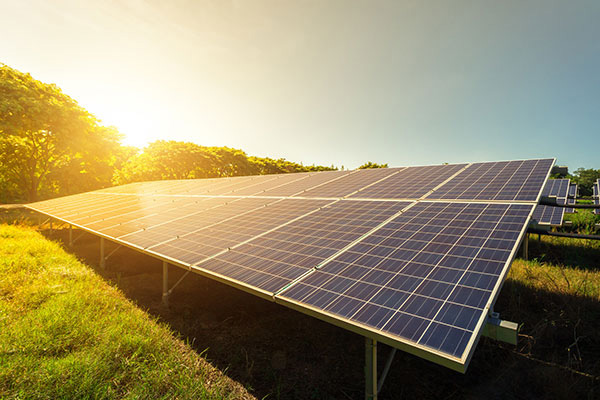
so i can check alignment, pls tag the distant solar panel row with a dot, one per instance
(572, 199)
(496, 181)
(420, 273)
(597, 196)
(548, 215)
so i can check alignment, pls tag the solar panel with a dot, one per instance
(311, 181)
(191, 221)
(409, 183)
(548, 215)
(201, 243)
(426, 278)
(412, 256)
(351, 183)
(556, 188)
(596, 187)
(572, 199)
(500, 181)
(275, 259)
(573, 190)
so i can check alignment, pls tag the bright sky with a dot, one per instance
(327, 82)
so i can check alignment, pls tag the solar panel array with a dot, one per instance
(597, 196)
(548, 215)
(572, 199)
(411, 256)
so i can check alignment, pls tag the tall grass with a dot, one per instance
(65, 333)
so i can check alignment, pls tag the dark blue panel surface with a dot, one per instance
(430, 270)
(196, 245)
(505, 180)
(350, 183)
(548, 215)
(273, 260)
(410, 183)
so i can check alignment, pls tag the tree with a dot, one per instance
(585, 178)
(45, 137)
(370, 164)
(184, 160)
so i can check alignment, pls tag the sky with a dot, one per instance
(327, 82)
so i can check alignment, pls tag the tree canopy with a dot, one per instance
(370, 164)
(585, 178)
(48, 143)
(51, 146)
(185, 160)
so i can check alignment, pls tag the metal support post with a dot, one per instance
(51, 230)
(526, 246)
(102, 259)
(165, 285)
(70, 235)
(386, 369)
(370, 369)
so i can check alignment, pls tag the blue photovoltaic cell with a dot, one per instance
(193, 221)
(311, 181)
(597, 196)
(572, 198)
(548, 215)
(573, 190)
(274, 260)
(556, 188)
(505, 180)
(195, 246)
(571, 201)
(409, 183)
(350, 183)
(426, 277)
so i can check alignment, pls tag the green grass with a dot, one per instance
(66, 333)
(583, 221)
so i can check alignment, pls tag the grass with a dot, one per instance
(66, 333)
(583, 221)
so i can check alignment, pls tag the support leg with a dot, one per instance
(370, 369)
(526, 246)
(386, 369)
(102, 259)
(165, 285)
(70, 235)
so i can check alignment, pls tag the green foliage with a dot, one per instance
(585, 178)
(65, 333)
(48, 143)
(50, 146)
(583, 221)
(370, 164)
(184, 160)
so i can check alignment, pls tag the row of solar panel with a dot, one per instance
(495, 181)
(440, 254)
(597, 196)
(421, 273)
(564, 192)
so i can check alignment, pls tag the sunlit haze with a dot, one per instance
(327, 82)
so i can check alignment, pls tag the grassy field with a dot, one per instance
(281, 354)
(67, 333)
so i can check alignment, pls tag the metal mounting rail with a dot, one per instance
(551, 201)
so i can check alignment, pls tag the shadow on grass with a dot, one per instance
(280, 353)
(575, 253)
